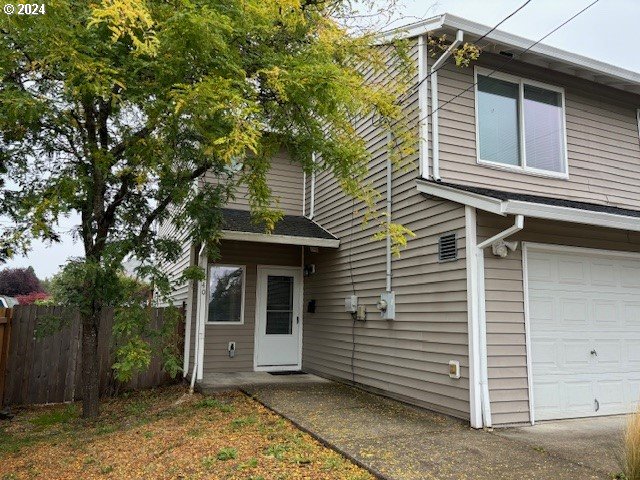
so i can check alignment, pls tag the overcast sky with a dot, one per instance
(609, 31)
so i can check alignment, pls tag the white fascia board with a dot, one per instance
(411, 30)
(488, 204)
(280, 239)
(530, 209)
(474, 29)
(574, 215)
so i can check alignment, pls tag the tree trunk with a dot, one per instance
(90, 365)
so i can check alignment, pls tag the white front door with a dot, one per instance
(584, 320)
(278, 318)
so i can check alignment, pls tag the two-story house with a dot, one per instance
(519, 298)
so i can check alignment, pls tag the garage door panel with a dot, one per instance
(631, 314)
(577, 355)
(573, 311)
(605, 313)
(630, 275)
(572, 272)
(604, 274)
(633, 353)
(584, 318)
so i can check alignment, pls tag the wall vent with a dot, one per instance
(447, 248)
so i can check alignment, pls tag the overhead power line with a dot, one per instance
(570, 19)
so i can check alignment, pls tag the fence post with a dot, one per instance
(5, 332)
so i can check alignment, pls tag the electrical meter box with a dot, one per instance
(351, 304)
(387, 306)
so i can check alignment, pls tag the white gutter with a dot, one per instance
(546, 55)
(199, 334)
(482, 316)
(389, 204)
(423, 92)
(530, 209)
(435, 143)
(280, 239)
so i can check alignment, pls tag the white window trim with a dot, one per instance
(244, 287)
(522, 168)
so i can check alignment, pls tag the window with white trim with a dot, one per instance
(520, 124)
(226, 294)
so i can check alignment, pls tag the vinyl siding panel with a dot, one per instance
(217, 337)
(285, 179)
(406, 358)
(174, 269)
(602, 138)
(504, 284)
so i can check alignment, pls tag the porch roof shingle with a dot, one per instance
(290, 225)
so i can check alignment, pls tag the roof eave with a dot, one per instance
(529, 209)
(551, 54)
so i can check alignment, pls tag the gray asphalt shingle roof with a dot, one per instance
(289, 225)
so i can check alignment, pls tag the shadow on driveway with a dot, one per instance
(397, 441)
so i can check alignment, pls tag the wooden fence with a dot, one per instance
(47, 369)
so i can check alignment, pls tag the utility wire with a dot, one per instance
(413, 89)
(511, 59)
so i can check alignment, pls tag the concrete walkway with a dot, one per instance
(400, 442)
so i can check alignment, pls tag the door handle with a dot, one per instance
(593, 352)
(597, 404)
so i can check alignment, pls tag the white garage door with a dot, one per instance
(584, 320)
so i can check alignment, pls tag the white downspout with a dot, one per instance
(423, 93)
(312, 204)
(482, 316)
(434, 103)
(198, 337)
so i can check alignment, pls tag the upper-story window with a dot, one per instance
(520, 124)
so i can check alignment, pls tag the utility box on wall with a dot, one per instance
(351, 304)
(387, 305)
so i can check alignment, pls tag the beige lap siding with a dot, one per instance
(217, 337)
(506, 346)
(406, 358)
(602, 138)
(285, 179)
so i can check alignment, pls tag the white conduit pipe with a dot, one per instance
(389, 204)
(482, 316)
(312, 205)
(435, 144)
(199, 306)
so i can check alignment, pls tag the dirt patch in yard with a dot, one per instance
(165, 434)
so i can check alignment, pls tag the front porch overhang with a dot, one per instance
(290, 230)
(510, 203)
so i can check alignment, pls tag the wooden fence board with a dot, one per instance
(5, 339)
(48, 369)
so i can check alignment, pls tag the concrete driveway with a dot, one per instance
(397, 441)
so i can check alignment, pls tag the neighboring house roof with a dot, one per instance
(540, 54)
(512, 203)
(291, 229)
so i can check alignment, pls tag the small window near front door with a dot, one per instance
(226, 294)
(279, 305)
